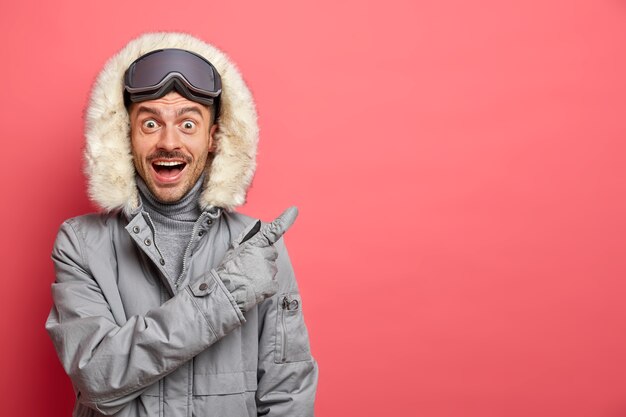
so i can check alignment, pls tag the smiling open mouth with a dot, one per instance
(168, 169)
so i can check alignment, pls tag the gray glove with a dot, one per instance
(249, 267)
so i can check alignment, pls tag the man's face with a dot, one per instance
(171, 138)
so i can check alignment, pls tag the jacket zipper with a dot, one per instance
(193, 235)
(285, 306)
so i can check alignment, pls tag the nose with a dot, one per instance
(169, 138)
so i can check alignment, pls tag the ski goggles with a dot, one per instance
(156, 73)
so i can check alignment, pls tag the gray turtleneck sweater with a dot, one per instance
(173, 223)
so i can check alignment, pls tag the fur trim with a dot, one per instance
(108, 160)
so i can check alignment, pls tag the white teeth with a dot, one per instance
(168, 163)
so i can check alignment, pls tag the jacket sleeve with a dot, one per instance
(287, 374)
(111, 364)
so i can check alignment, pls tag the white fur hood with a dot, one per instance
(108, 160)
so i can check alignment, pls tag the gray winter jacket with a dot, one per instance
(136, 344)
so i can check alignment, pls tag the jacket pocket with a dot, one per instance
(224, 383)
(224, 394)
(292, 339)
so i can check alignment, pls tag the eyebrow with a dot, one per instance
(189, 110)
(144, 109)
(156, 112)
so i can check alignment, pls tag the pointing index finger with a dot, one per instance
(280, 225)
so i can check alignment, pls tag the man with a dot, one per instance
(169, 303)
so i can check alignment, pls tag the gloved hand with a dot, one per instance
(249, 268)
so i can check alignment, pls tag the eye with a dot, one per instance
(150, 124)
(188, 125)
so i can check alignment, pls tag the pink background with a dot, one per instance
(460, 173)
